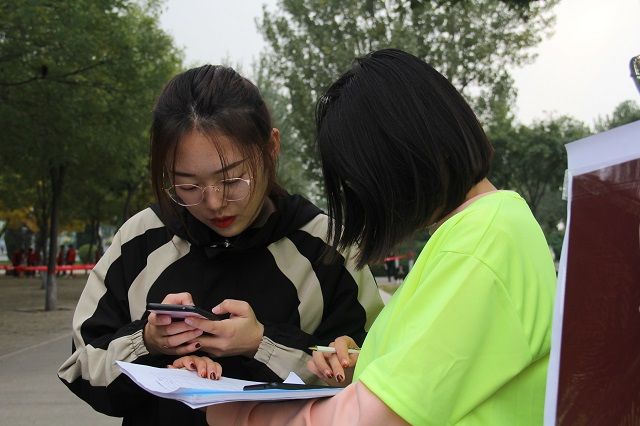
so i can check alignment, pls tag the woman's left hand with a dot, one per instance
(241, 334)
(204, 366)
(335, 368)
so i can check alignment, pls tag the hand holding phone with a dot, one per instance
(181, 311)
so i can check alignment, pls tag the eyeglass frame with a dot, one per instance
(202, 189)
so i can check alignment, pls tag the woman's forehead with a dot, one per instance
(198, 153)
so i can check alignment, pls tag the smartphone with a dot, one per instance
(181, 311)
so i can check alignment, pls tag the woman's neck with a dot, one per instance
(268, 207)
(479, 190)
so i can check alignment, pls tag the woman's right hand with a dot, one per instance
(164, 336)
(335, 368)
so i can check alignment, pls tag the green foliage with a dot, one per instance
(291, 164)
(531, 160)
(311, 42)
(626, 112)
(87, 253)
(77, 84)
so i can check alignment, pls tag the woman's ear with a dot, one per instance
(275, 143)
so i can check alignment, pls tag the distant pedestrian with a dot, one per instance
(70, 257)
(60, 259)
(390, 266)
(32, 260)
(16, 260)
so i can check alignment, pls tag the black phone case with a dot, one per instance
(182, 311)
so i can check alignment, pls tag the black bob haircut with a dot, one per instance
(400, 148)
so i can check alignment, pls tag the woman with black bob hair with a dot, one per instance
(466, 337)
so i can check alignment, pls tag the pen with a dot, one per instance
(285, 386)
(331, 350)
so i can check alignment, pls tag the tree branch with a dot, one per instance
(43, 75)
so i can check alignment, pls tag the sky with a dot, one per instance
(582, 70)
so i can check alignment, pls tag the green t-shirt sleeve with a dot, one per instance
(455, 341)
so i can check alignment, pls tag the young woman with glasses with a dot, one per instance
(225, 237)
(466, 337)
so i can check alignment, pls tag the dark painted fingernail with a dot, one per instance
(212, 376)
(198, 345)
(192, 365)
(339, 378)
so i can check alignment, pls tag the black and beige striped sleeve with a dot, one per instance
(335, 299)
(108, 322)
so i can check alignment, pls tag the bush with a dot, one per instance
(86, 256)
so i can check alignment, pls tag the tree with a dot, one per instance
(626, 112)
(291, 173)
(473, 43)
(531, 160)
(77, 83)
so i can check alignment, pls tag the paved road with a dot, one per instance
(32, 395)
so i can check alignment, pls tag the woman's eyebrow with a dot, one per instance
(217, 172)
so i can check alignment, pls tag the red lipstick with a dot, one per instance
(223, 222)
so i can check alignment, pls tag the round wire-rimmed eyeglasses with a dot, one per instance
(187, 194)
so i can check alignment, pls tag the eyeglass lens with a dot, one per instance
(189, 195)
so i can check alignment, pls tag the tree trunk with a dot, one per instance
(51, 290)
(126, 211)
(42, 220)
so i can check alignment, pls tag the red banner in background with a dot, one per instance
(43, 268)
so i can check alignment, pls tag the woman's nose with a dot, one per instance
(214, 197)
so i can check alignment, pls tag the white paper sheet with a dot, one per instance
(189, 388)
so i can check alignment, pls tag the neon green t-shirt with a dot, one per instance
(465, 340)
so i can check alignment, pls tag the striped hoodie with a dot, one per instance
(300, 295)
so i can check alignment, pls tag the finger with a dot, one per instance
(214, 345)
(321, 364)
(211, 327)
(186, 349)
(156, 320)
(202, 365)
(336, 367)
(176, 340)
(176, 327)
(217, 371)
(185, 362)
(334, 363)
(311, 366)
(234, 307)
(213, 369)
(314, 369)
(342, 345)
(178, 299)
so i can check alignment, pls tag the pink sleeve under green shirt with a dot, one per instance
(464, 340)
